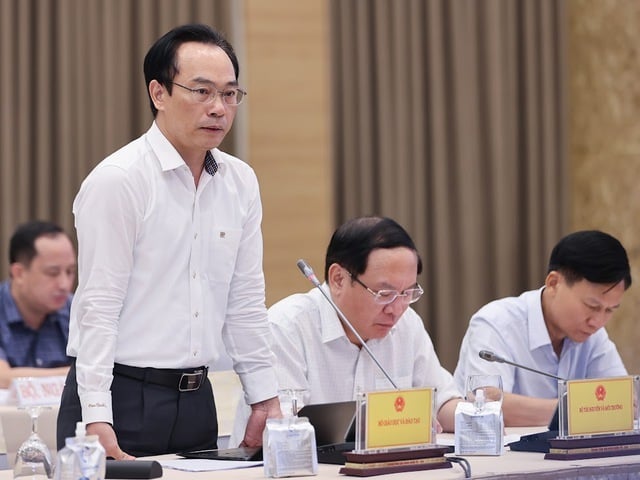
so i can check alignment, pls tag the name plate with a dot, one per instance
(599, 406)
(399, 418)
(38, 391)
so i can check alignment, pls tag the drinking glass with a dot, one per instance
(291, 400)
(491, 386)
(33, 459)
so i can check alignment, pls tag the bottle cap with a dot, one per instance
(479, 401)
(81, 429)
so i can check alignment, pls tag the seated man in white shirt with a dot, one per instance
(371, 274)
(557, 329)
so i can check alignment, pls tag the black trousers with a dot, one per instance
(148, 419)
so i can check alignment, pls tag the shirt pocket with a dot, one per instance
(221, 254)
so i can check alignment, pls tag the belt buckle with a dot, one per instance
(190, 381)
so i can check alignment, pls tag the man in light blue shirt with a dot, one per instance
(557, 329)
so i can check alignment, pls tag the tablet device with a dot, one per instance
(239, 454)
(332, 422)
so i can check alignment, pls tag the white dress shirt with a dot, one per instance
(313, 353)
(514, 329)
(167, 272)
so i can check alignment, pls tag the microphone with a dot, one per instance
(133, 469)
(307, 271)
(492, 357)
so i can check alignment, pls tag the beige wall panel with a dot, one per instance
(286, 49)
(604, 148)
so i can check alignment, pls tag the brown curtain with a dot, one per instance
(449, 117)
(73, 91)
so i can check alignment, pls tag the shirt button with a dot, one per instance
(196, 314)
(195, 235)
(39, 362)
(194, 274)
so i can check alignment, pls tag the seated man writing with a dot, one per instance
(35, 302)
(371, 274)
(557, 329)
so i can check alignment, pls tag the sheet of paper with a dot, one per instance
(197, 465)
(450, 440)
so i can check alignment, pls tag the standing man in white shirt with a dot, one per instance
(370, 273)
(557, 329)
(170, 267)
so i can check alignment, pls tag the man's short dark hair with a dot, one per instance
(591, 255)
(160, 61)
(22, 246)
(354, 240)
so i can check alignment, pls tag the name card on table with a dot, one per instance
(399, 418)
(597, 406)
(38, 391)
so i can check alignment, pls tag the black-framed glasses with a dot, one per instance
(385, 297)
(230, 96)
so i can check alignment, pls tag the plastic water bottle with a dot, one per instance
(479, 400)
(82, 458)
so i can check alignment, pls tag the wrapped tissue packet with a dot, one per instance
(479, 427)
(289, 448)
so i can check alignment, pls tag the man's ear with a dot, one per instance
(554, 278)
(337, 276)
(16, 269)
(157, 93)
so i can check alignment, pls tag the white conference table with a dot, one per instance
(511, 465)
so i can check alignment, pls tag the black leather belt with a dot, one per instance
(182, 380)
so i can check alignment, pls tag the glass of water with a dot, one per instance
(33, 459)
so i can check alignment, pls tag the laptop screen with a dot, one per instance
(332, 422)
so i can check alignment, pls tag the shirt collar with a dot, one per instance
(538, 333)
(170, 159)
(330, 325)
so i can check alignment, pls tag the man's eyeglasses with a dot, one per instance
(230, 96)
(385, 297)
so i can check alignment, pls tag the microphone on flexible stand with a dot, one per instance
(307, 271)
(492, 357)
(535, 442)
